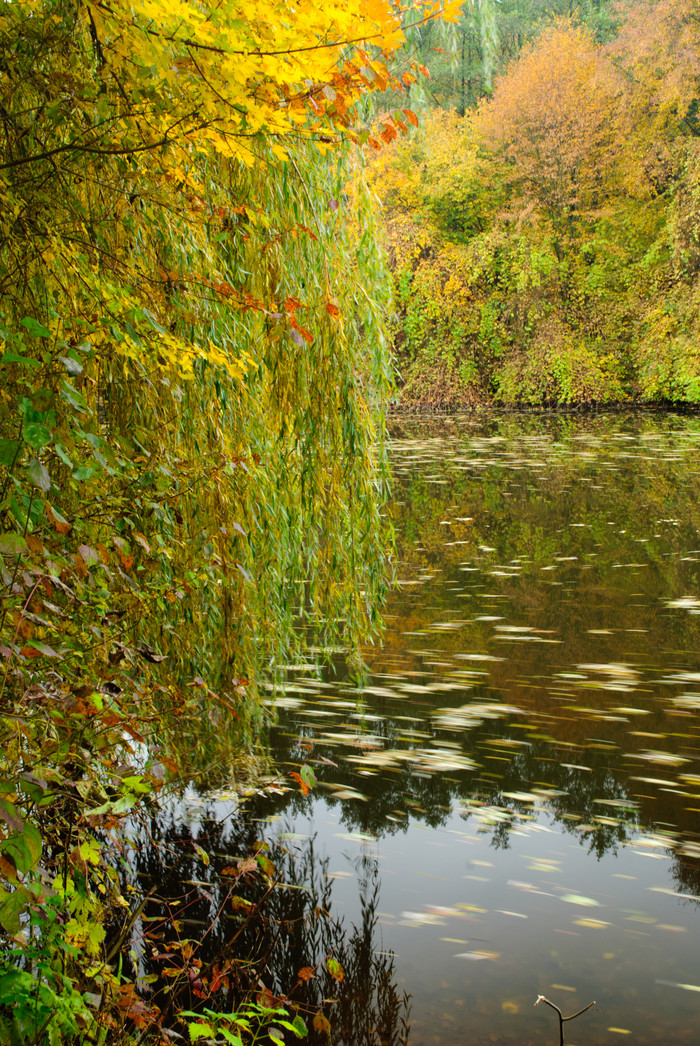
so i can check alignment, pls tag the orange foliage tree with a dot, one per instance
(548, 125)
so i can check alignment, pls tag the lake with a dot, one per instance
(508, 804)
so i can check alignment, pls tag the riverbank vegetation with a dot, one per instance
(193, 372)
(542, 225)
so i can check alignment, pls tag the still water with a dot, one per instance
(510, 804)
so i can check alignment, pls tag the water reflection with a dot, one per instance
(539, 681)
(232, 932)
(521, 767)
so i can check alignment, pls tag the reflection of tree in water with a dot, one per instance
(289, 927)
(595, 803)
(686, 875)
(575, 796)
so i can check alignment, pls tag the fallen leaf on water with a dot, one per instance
(421, 919)
(676, 984)
(578, 898)
(477, 956)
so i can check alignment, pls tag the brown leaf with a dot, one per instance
(59, 522)
(7, 868)
(140, 540)
(8, 814)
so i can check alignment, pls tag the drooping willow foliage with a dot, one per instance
(194, 368)
(193, 374)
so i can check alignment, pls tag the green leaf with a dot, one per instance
(25, 847)
(39, 475)
(299, 1027)
(97, 811)
(124, 804)
(10, 451)
(335, 969)
(580, 899)
(201, 853)
(36, 435)
(85, 472)
(47, 651)
(36, 329)
(34, 787)
(76, 399)
(63, 456)
(198, 1031)
(11, 544)
(89, 555)
(265, 864)
(235, 1040)
(10, 912)
(138, 785)
(24, 361)
(72, 366)
(153, 321)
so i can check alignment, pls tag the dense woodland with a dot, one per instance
(543, 225)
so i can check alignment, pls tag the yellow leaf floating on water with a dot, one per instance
(620, 1031)
(578, 898)
(676, 984)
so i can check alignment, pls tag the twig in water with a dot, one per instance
(562, 1018)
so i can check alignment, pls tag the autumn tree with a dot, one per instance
(548, 126)
(465, 57)
(657, 53)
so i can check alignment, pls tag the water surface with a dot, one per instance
(518, 779)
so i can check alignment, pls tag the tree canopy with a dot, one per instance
(555, 223)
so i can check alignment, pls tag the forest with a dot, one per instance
(542, 226)
(229, 244)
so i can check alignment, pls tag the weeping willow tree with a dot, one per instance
(194, 367)
(193, 373)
